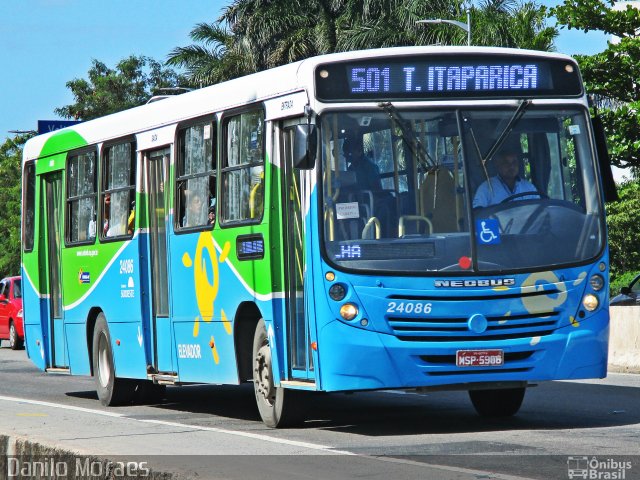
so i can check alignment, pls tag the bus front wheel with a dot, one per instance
(111, 389)
(497, 403)
(277, 406)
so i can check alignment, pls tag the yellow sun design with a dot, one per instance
(207, 288)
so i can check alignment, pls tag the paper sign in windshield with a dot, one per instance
(347, 210)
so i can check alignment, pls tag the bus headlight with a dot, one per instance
(348, 311)
(337, 292)
(590, 302)
(597, 282)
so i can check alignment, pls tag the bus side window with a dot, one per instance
(118, 192)
(243, 168)
(195, 184)
(28, 229)
(81, 197)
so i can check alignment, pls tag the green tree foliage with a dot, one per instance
(623, 221)
(498, 23)
(217, 56)
(133, 81)
(253, 35)
(10, 172)
(613, 75)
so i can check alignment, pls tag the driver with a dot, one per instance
(505, 184)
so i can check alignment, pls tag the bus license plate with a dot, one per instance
(479, 358)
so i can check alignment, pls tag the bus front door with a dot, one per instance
(52, 186)
(157, 168)
(298, 292)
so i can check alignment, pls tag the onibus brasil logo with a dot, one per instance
(594, 468)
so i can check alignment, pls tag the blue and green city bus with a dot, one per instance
(318, 227)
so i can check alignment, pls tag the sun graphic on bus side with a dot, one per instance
(206, 288)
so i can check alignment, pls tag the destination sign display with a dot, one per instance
(451, 76)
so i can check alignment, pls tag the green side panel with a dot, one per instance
(54, 152)
(52, 158)
(62, 142)
(52, 163)
(91, 260)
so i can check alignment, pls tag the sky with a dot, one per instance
(46, 43)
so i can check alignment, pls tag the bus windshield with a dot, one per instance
(459, 190)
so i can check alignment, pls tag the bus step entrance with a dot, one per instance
(164, 378)
(58, 371)
(299, 385)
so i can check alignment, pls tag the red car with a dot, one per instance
(11, 326)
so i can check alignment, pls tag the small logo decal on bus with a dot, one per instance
(189, 350)
(84, 277)
(485, 282)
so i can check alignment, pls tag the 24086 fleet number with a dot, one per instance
(409, 307)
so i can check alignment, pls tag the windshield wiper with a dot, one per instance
(408, 135)
(517, 115)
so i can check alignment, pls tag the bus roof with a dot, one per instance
(234, 93)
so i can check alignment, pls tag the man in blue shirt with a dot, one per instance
(505, 184)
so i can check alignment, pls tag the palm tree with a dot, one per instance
(512, 23)
(260, 34)
(283, 31)
(500, 23)
(221, 56)
(388, 23)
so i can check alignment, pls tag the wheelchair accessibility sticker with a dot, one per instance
(488, 231)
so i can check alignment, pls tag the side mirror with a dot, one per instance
(3, 298)
(608, 184)
(625, 291)
(305, 145)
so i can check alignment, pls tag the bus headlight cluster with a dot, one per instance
(597, 282)
(348, 311)
(337, 292)
(590, 302)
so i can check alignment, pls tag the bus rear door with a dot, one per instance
(52, 208)
(157, 170)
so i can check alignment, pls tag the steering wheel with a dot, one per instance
(524, 194)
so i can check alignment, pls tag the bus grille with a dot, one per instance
(456, 329)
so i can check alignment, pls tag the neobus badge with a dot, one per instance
(494, 282)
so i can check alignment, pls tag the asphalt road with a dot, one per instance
(215, 432)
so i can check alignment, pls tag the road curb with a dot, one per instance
(624, 339)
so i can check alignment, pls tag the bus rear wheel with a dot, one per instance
(111, 389)
(497, 403)
(278, 407)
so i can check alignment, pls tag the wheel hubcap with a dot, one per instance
(262, 375)
(13, 336)
(104, 369)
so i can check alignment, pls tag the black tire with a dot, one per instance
(497, 403)
(15, 342)
(278, 407)
(111, 389)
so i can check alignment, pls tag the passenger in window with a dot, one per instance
(194, 216)
(506, 183)
(131, 219)
(107, 214)
(212, 216)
